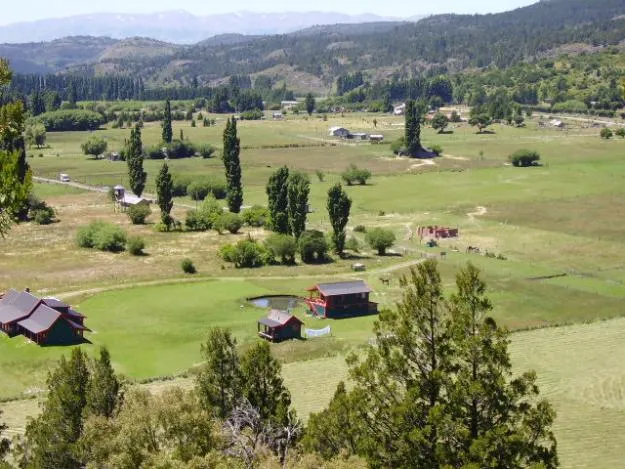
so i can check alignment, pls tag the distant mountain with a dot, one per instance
(176, 26)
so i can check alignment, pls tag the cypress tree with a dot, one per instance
(168, 133)
(37, 103)
(165, 194)
(298, 190)
(134, 157)
(232, 148)
(413, 128)
(103, 390)
(339, 205)
(278, 201)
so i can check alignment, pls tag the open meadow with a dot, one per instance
(559, 231)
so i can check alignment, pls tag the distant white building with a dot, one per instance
(556, 123)
(399, 110)
(359, 136)
(376, 138)
(288, 104)
(278, 115)
(339, 132)
(125, 200)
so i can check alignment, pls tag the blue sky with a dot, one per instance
(27, 10)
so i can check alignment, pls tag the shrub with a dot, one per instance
(187, 266)
(69, 120)
(352, 244)
(201, 188)
(205, 217)
(380, 239)
(283, 247)
(154, 152)
(135, 246)
(320, 175)
(355, 174)
(606, 133)
(180, 149)
(94, 146)
(574, 106)
(398, 147)
(360, 229)
(524, 158)
(256, 216)
(195, 222)
(312, 246)
(229, 221)
(206, 151)
(43, 215)
(109, 238)
(620, 132)
(138, 213)
(246, 253)
(252, 115)
(455, 117)
(437, 149)
(85, 235)
(180, 185)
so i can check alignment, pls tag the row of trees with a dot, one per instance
(435, 390)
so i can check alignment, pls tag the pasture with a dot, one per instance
(559, 227)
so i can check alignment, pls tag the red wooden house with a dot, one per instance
(341, 300)
(280, 325)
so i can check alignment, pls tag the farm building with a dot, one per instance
(376, 138)
(399, 110)
(125, 200)
(339, 132)
(46, 321)
(278, 116)
(358, 136)
(341, 300)
(280, 325)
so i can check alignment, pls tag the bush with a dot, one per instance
(187, 266)
(355, 174)
(360, 229)
(206, 151)
(154, 152)
(69, 120)
(180, 149)
(437, 149)
(524, 158)
(135, 246)
(606, 133)
(43, 215)
(352, 244)
(398, 147)
(256, 216)
(380, 239)
(312, 246)
(180, 184)
(283, 247)
(620, 132)
(109, 238)
(246, 253)
(205, 217)
(138, 213)
(573, 106)
(455, 117)
(252, 115)
(94, 146)
(201, 188)
(229, 221)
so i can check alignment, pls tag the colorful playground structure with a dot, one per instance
(437, 232)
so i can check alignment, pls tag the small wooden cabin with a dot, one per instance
(341, 300)
(280, 325)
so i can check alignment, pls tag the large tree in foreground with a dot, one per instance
(278, 200)
(339, 205)
(437, 390)
(232, 149)
(5, 443)
(134, 157)
(165, 195)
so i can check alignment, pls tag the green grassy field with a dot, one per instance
(559, 226)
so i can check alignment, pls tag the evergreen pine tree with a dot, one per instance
(278, 201)
(339, 205)
(51, 439)
(413, 128)
(37, 103)
(168, 133)
(103, 390)
(310, 103)
(298, 188)
(134, 158)
(165, 195)
(220, 376)
(232, 148)
(72, 95)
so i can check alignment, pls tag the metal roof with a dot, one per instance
(42, 319)
(269, 323)
(277, 318)
(343, 288)
(55, 303)
(19, 306)
(9, 296)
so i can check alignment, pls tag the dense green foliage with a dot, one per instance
(313, 246)
(230, 222)
(380, 239)
(103, 236)
(167, 133)
(138, 213)
(187, 266)
(94, 146)
(256, 215)
(524, 158)
(164, 195)
(135, 246)
(69, 120)
(247, 253)
(283, 247)
(339, 205)
(355, 174)
(232, 163)
(134, 158)
(298, 188)
(278, 201)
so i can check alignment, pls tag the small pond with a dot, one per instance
(281, 302)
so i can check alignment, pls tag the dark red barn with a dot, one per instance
(341, 300)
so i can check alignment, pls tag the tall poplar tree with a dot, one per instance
(134, 158)
(278, 200)
(339, 205)
(297, 192)
(168, 133)
(165, 195)
(413, 128)
(232, 164)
